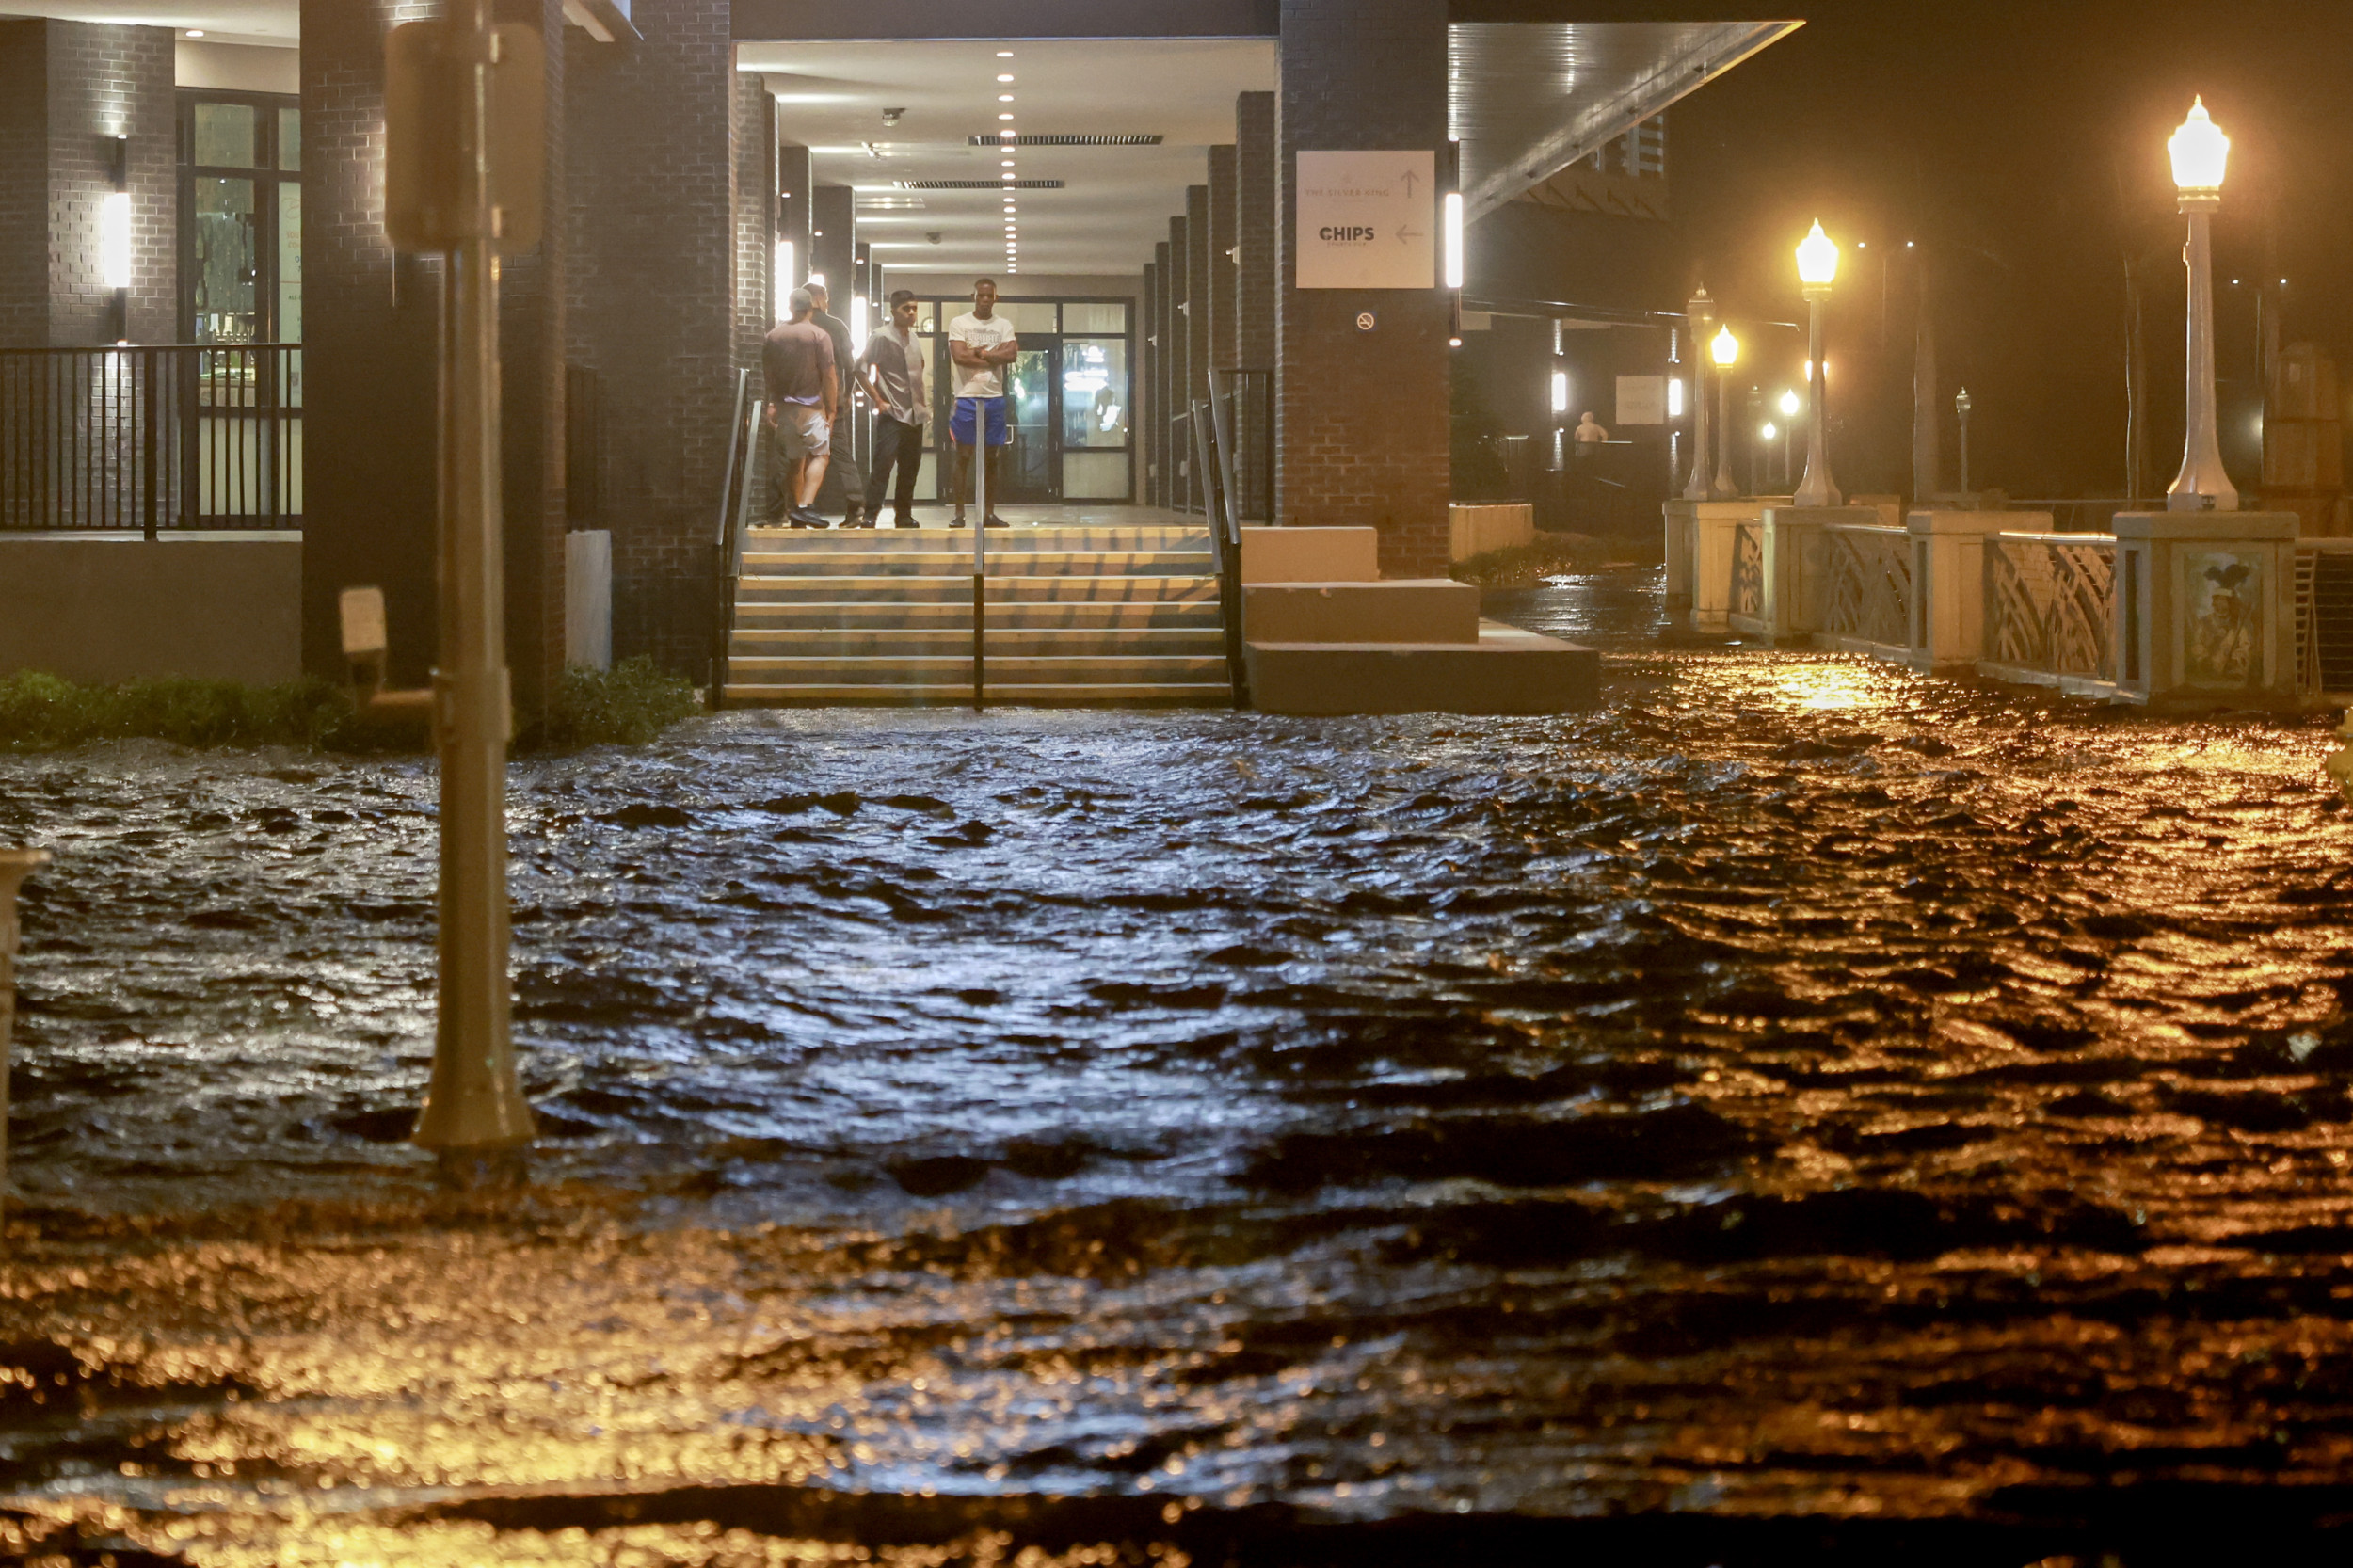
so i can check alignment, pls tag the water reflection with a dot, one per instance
(1798, 1088)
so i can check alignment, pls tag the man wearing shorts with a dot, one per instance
(980, 345)
(803, 390)
(842, 467)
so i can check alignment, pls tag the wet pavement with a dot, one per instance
(1800, 1111)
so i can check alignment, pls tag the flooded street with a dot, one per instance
(1798, 1110)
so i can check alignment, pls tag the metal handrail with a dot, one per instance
(735, 501)
(1213, 458)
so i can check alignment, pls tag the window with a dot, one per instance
(240, 217)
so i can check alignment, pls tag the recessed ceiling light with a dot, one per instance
(1005, 117)
(1004, 53)
(1005, 76)
(1004, 98)
(196, 32)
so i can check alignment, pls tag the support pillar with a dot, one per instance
(1163, 357)
(1363, 421)
(1148, 386)
(1257, 261)
(1178, 341)
(1224, 339)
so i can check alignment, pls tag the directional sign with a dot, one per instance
(1367, 221)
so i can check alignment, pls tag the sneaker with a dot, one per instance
(996, 521)
(909, 522)
(855, 519)
(804, 518)
(957, 521)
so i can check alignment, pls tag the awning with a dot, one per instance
(1527, 99)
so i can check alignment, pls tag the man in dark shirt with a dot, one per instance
(844, 468)
(803, 390)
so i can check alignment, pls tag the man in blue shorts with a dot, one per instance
(981, 344)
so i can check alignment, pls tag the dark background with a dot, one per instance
(2020, 148)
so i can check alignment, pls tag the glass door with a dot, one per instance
(1030, 471)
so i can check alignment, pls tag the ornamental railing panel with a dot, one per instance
(2050, 605)
(1748, 569)
(1869, 594)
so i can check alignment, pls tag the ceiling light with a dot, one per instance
(1005, 117)
(196, 32)
(1007, 77)
(1004, 53)
(1004, 133)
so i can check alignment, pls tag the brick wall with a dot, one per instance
(653, 246)
(1256, 263)
(755, 201)
(1147, 394)
(371, 324)
(1224, 341)
(1164, 356)
(1199, 271)
(1362, 416)
(369, 344)
(1177, 339)
(67, 89)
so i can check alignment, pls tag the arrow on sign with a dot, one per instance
(1405, 233)
(1409, 177)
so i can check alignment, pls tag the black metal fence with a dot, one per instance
(151, 439)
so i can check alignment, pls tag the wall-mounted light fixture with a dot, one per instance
(1450, 234)
(785, 282)
(1560, 392)
(113, 239)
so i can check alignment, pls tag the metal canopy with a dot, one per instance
(1527, 99)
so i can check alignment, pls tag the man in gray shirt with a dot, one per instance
(844, 473)
(891, 371)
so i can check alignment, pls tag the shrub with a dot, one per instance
(627, 705)
(38, 712)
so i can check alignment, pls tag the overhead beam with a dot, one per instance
(1597, 124)
(802, 21)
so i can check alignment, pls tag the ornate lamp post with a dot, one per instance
(1726, 351)
(1962, 407)
(2201, 154)
(1818, 267)
(1790, 404)
(1701, 314)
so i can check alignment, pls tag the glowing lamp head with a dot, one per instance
(1818, 259)
(1725, 347)
(113, 239)
(1769, 431)
(2201, 153)
(1789, 404)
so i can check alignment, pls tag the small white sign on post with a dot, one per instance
(1641, 400)
(1367, 221)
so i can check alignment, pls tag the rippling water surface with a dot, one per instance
(1797, 1091)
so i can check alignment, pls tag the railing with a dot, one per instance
(735, 507)
(2324, 617)
(151, 438)
(2050, 607)
(1246, 421)
(1869, 597)
(1216, 423)
(1748, 569)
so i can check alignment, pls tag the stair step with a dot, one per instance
(951, 611)
(891, 642)
(1175, 587)
(1013, 669)
(1000, 695)
(1016, 539)
(1031, 563)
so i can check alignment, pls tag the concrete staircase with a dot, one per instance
(1078, 616)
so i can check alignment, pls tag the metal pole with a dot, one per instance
(474, 1117)
(1960, 406)
(1817, 488)
(1725, 487)
(980, 552)
(15, 864)
(2202, 486)
(1701, 313)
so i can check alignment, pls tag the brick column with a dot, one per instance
(1178, 339)
(796, 182)
(1256, 265)
(1147, 399)
(1224, 341)
(370, 430)
(833, 243)
(755, 221)
(1199, 290)
(1163, 356)
(66, 90)
(1362, 416)
(656, 305)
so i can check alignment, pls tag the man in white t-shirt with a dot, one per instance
(980, 345)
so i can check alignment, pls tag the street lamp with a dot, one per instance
(1701, 314)
(2201, 154)
(1726, 351)
(1790, 404)
(1817, 267)
(1960, 406)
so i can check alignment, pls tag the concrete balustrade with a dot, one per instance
(2205, 608)
(1701, 541)
(1947, 633)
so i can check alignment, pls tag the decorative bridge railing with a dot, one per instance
(2050, 608)
(1748, 569)
(1868, 598)
(151, 439)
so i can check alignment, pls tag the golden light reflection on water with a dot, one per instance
(1822, 685)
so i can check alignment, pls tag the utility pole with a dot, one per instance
(465, 106)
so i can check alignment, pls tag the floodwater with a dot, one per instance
(1800, 1111)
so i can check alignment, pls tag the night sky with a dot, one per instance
(2021, 148)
